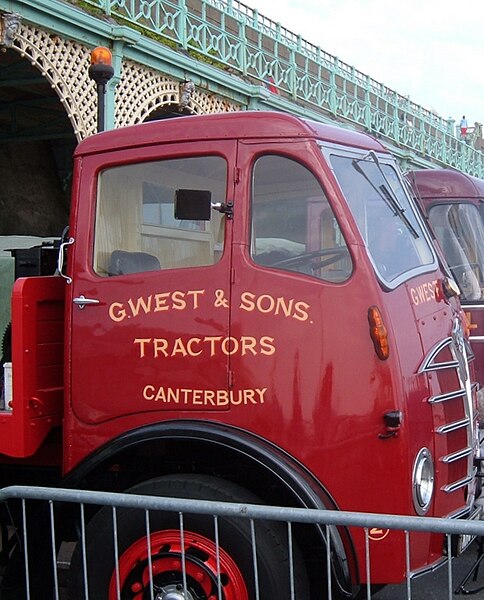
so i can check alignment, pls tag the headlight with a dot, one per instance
(423, 481)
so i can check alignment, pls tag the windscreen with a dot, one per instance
(385, 216)
(460, 232)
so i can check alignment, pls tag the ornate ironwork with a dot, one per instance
(10, 25)
(260, 54)
(237, 38)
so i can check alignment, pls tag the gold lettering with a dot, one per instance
(424, 293)
(141, 303)
(267, 346)
(222, 397)
(173, 395)
(249, 396)
(148, 392)
(212, 340)
(179, 348)
(286, 308)
(142, 342)
(247, 301)
(178, 300)
(226, 343)
(248, 345)
(209, 397)
(201, 397)
(160, 302)
(209, 345)
(261, 393)
(117, 312)
(197, 397)
(235, 399)
(195, 294)
(270, 306)
(160, 346)
(190, 342)
(301, 311)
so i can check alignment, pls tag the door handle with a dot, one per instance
(82, 301)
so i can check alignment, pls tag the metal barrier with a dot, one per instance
(54, 499)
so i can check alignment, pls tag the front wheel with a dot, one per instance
(187, 565)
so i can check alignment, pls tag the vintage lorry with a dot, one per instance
(454, 204)
(247, 307)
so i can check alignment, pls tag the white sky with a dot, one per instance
(430, 50)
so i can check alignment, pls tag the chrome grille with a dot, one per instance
(453, 407)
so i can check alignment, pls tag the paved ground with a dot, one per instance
(435, 586)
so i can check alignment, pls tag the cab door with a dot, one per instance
(148, 299)
(292, 280)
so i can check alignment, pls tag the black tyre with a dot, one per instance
(237, 578)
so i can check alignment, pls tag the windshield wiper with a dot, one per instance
(384, 192)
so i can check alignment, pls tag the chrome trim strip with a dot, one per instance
(452, 487)
(440, 366)
(428, 568)
(476, 338)
(453, 426)
(425, 366)
(455, 456)
(449, 396)
(461, 513)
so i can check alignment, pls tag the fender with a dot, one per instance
(276, 465)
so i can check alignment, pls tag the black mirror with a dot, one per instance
(193, 205)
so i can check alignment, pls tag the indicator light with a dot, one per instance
(378, 333)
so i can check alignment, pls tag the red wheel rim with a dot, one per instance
(200, 555)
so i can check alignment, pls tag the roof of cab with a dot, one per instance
(442, 184)
(233, 125)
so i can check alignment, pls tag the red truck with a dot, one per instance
(454, 203)
(251, 310)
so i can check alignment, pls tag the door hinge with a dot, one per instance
(236, 175)
(231, 380)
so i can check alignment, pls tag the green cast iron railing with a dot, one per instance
(235, 37)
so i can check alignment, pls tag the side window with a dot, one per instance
(136, 229)
(293, 225)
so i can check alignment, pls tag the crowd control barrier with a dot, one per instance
(54, 501)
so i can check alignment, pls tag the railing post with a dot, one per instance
(332, 87)
(451, 126)
(243, 46)
(367, 107)
(396, 120)
(181, 24)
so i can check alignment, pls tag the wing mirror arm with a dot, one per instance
(224, 208)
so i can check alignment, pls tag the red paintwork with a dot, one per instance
(204, 562)
(445, 186)
(321, 396)
(37, 354)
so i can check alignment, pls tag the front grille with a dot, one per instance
(453, 409)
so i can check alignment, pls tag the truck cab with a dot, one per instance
(454, 203)
(251, 297)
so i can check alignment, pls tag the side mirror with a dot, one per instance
(193, 205)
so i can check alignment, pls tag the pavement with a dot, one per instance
(436, 585)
